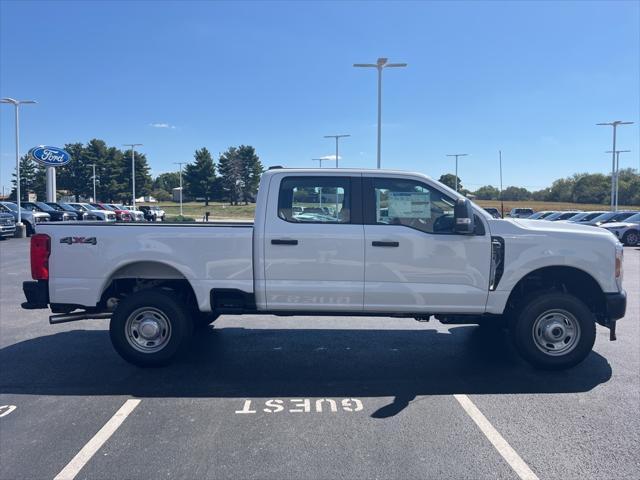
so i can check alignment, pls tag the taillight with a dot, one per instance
(40, 250)
(619, 255)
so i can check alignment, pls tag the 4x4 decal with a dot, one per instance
(72, 240)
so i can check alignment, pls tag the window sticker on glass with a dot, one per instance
(409, 204)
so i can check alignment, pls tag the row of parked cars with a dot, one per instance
(33, 213)
(624, 224)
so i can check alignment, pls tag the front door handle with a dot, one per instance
(283, 241)
(385, 244)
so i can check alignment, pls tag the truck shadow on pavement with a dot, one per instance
(277, 363)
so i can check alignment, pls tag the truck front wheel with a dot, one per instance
(149, 328)
(553, 331)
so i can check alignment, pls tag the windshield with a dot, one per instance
(32, 207)
(11, 206)
(43, 206)
(633, 218)
(620, 216)
(58, 208)
(539, 215)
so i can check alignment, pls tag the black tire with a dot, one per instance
(30, 230)
(631, 238)
(172, 321)
(563, 309)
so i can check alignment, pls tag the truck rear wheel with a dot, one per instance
(149, 328)
(553, 331)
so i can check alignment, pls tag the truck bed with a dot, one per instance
(87, 256)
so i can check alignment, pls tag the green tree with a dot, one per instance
(27, 178)
(143, 177)
(167, 181)
(200, 176)
(449, 179)
(516, 193)
(488, 192)
(629, 187)
(250, 171)
(591, 188)
(230, 171)
(75, 176)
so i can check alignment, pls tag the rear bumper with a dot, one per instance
(36, 293)
(616, 304)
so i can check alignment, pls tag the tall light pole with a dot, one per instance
(180, 163)
(133, 170)
(93, 166)
(337, 137)
(616, 173)
(614, 124)
(501, 202)
(459, 155)
(16, 104)
(380, 65)
(320, 160)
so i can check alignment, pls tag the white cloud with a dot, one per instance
(331, 157)
(162, 125)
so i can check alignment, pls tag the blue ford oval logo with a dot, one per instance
(49, 156)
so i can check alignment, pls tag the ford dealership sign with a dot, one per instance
(49, 156)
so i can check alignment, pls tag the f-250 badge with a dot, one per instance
(72, 240)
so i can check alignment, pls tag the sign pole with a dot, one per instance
(51, 184)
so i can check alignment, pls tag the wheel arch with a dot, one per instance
(560, 278)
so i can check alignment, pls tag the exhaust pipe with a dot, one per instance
(73, 317)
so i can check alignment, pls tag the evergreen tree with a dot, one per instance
(27, 179)
(250, 171)
(230, 171)
(200, 177)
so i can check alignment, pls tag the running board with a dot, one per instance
(73, 317)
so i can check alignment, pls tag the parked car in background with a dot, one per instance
(64, 207)
(153, 213)
(584, 217)
(56, 215)
(494, 212)
(611, 217)
(121, 215)
(520, 212)
(541, 214)
(554, 217)
(100, 214)
(7, 225)
(627, 231)
(138, 215)
(29, 217)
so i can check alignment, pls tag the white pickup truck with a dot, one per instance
(336, 242)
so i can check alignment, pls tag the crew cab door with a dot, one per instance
(314, 243)
(414, 260)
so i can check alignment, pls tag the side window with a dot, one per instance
(315, 200)
(413, 204)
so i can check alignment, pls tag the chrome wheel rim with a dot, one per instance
(148, 330)
(556, 332)
(632, 238)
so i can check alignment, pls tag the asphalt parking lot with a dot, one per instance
(304, 397)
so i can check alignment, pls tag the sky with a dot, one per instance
(529, 78)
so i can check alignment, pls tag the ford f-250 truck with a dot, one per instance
(336, 242)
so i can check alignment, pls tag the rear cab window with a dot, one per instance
(315, 199)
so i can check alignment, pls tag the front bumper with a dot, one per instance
(36, 293)
(8, 231)
(616, 304)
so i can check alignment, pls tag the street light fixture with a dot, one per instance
(460, 155)
(617, 173)
(614, 124)
(380, 65)
(320, 160)
(133, 170)
(16, 104)
(180, 163)
(337, 137)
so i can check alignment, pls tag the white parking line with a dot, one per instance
(497, 440)
(84, 455)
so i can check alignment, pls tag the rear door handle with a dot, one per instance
(283, 241)
(385, 244)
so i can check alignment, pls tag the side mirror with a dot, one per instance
(463, 214)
